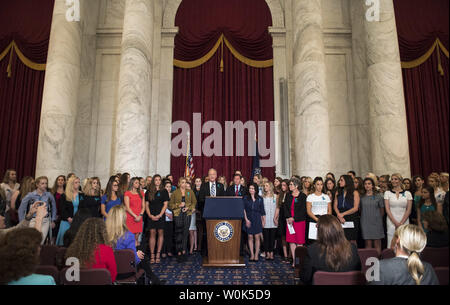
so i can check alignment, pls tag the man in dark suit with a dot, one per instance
(212, 188)
(236, 189)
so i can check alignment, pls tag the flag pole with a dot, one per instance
(186, 167)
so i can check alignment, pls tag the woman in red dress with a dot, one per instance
(134, 204)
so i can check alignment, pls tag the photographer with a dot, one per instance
(40, 195)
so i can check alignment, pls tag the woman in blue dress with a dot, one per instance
(70, 201)
(111, 196)
(254, 220)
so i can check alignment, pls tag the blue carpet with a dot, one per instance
(191, 272)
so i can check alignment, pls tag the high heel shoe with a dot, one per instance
(158, 257)
(152, 258)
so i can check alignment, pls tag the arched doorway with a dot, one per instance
(223, 72)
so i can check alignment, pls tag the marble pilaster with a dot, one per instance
(60, 96)
(388, 126)
(135, 92)
(312, 146)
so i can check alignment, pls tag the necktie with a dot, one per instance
(213, 190)
(237, 190)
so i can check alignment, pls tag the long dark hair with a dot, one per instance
(55, 185)
(332, 191)
(332, 242)
(91, 234)
(108, 191)
(256, 190)
(123, 183)
(153, 189)
(349, 187)
(430, 190)
(314, 184)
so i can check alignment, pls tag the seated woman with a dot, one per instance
(406, 268)
(19, 257)
(436, 229)
(121, 238)
(332, 252)
(90, 246)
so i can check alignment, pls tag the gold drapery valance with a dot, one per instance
(222, 40)
(26, 61)
(438, 46)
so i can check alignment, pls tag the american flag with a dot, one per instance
(189, 168)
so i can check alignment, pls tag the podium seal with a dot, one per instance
(223, 231)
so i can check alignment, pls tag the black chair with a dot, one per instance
(437, 257)
(88, 277)
(48, 270)
(126, 267)
(339, 278)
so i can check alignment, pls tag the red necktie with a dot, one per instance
(237, 191)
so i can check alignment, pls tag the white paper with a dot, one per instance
(312, 230)
(319, 208)
(291, 229)
(348, 225)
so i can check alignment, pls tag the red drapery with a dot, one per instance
(27, 23)
(240, 92)
(419, 24)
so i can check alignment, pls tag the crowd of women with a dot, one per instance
(161, 220)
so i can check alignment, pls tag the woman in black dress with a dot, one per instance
(280, 216)
(156, 201)
(92, 199)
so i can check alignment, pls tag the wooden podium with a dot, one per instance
(223, 217)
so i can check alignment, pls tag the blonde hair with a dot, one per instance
(116, 224)
(399, 177)
(69, 188)
(87, 189)
(311, 186)
(270, 193)
(412, 240)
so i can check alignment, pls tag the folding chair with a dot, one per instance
(126, 267)
(88, 277)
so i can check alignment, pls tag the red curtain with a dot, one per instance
(419, 24)
(27, 23)
(240, 92)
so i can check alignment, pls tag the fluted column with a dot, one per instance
(60, 96)
(388, 126)
(312, 141)
(133, 109)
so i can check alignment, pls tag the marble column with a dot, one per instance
(312, 141)
(388, 126)
(135, 93)
(60, 96)
(362, 123)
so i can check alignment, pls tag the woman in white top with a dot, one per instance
(317, 204)
(269, 229)
(398, 205)
(435, 183)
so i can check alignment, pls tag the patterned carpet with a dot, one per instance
(191, 272)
